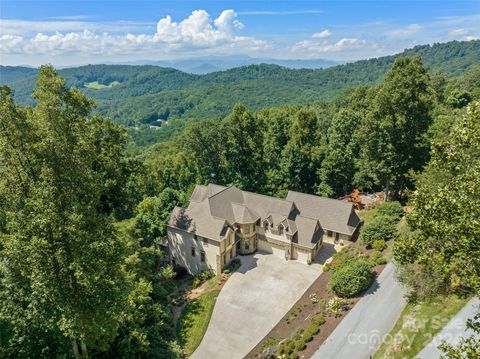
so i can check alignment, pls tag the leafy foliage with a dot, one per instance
(351, 278)
(380, 228)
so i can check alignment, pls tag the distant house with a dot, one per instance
(223, 222)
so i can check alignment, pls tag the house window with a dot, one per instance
(224, 259)
(280, 230)
(205, 241)
(202, 256)
(193, 251)
(337, 237)
(247, 245)
(329, 233)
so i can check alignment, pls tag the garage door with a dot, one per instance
(278, 252)
(265, 246)
(302, 256)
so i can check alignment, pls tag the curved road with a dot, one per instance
(360, 333)
(453, 331)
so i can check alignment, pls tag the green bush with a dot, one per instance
(319, 320)
(289, 346)
(293, 356)
(340, 258)
(382, 260)
(311, 330)
(380, 228)
(300, 345)
(280, 349)
(202, 277)
(376, 255)
(226, 271)
(379, 245)
(390, 209)
(351, 278)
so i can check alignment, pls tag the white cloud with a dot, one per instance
(29, 28)
(345, 44)
(280, 13)
(322, 34)
(198, 31)
(406, 31)
(462, 34)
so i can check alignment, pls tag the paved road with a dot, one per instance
(359, 334)
(453, 331)
(252, 302)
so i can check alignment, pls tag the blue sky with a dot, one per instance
(76, 32)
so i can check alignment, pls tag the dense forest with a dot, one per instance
(146, 93)
(81, 218)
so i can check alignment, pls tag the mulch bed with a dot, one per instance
(296, 318)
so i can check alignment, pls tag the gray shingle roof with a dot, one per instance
(212, 209)
(334, 215)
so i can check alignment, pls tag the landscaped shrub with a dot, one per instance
(380, 228)
(351, 278)
(319, 320)
(340, 258)
(202, 277)
(311, 330)
(334, 306)
(289, 346)
(390, 209)
(382, 260)
(379, 245)
(300, 345)
(293, 356)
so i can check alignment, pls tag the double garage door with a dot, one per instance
(269, 248)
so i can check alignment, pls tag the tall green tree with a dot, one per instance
(60, 260)
(392, 135)
(153, 213)
(336, 174)
(277, 122)
(446, 207)
(302, 155)
(207, 141)
(244, 153)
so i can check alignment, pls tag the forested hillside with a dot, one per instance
(141, 94)
(81, 218)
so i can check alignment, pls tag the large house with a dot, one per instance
(223, 222)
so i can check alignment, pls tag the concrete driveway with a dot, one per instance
(252, 302)
(360, 333)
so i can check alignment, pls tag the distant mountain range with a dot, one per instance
(207, 64)
(144, 93)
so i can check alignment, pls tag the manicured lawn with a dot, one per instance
(194, 319)
(417, 325)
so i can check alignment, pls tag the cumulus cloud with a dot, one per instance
(325, 46)
(322, 34)
(196, 31)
